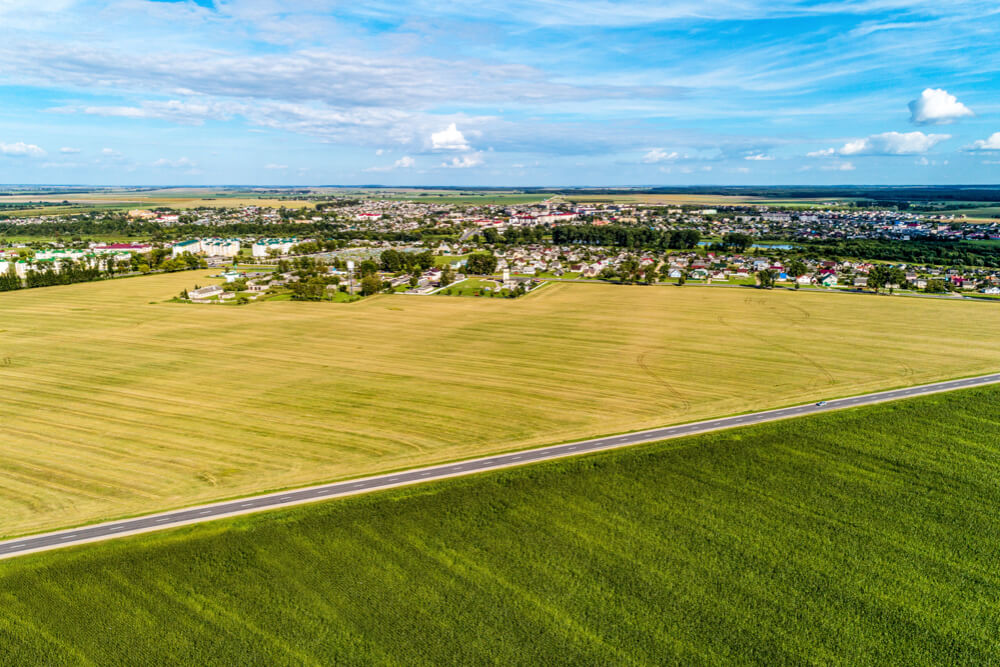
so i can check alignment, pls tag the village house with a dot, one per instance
(204, 293)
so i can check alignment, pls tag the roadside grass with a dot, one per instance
(867, 536)
(445, 260)
(548, 274)
(469, 287)
(124, 406)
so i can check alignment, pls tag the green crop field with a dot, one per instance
(121, 403)
(863, 537)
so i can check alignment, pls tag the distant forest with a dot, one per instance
(955, 253)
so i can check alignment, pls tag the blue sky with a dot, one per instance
(542, 92)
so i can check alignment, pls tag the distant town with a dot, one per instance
(347, 248)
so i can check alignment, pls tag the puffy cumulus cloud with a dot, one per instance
(657, 155)
(179, 163)
(464, 161)
(405, 162)
(449, 139)
(887, 143)
(759, 157)
(992, 143)
(21, 149)
(937, 107)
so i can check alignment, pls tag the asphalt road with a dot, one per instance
(149, 523)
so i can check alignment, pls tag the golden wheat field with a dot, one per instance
(113, 405)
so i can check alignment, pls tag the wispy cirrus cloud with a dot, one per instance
(672, 83)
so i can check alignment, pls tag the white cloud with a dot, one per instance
(465, 161)
(179, 163)
(826, 152)
(108, 151)
(937, 107)
(992, 143)
(21, 149)
(838, 166)
(69, 150)
(63, 165)
(404, 162)
(756, 157)
(657, 155)
(887, 143)
(275, 166)
(449, 139)
(177, 111)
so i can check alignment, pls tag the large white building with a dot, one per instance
(263, 247)
(193, 246)
(210, 247)
(220, 247)
(20, 267)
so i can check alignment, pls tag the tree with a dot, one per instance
(765, 278)
(796, 268)
(313, 289)
(896, 277)
(737, 241)
(878, 276)
(391, 260)
(936, 287)
(447, 276)
(424, 260)
(481, 264)
(370, 284)
(628, 269)
(414, 280)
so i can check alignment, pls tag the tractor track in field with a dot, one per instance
(641, 360)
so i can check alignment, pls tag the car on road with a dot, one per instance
(821, 403)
